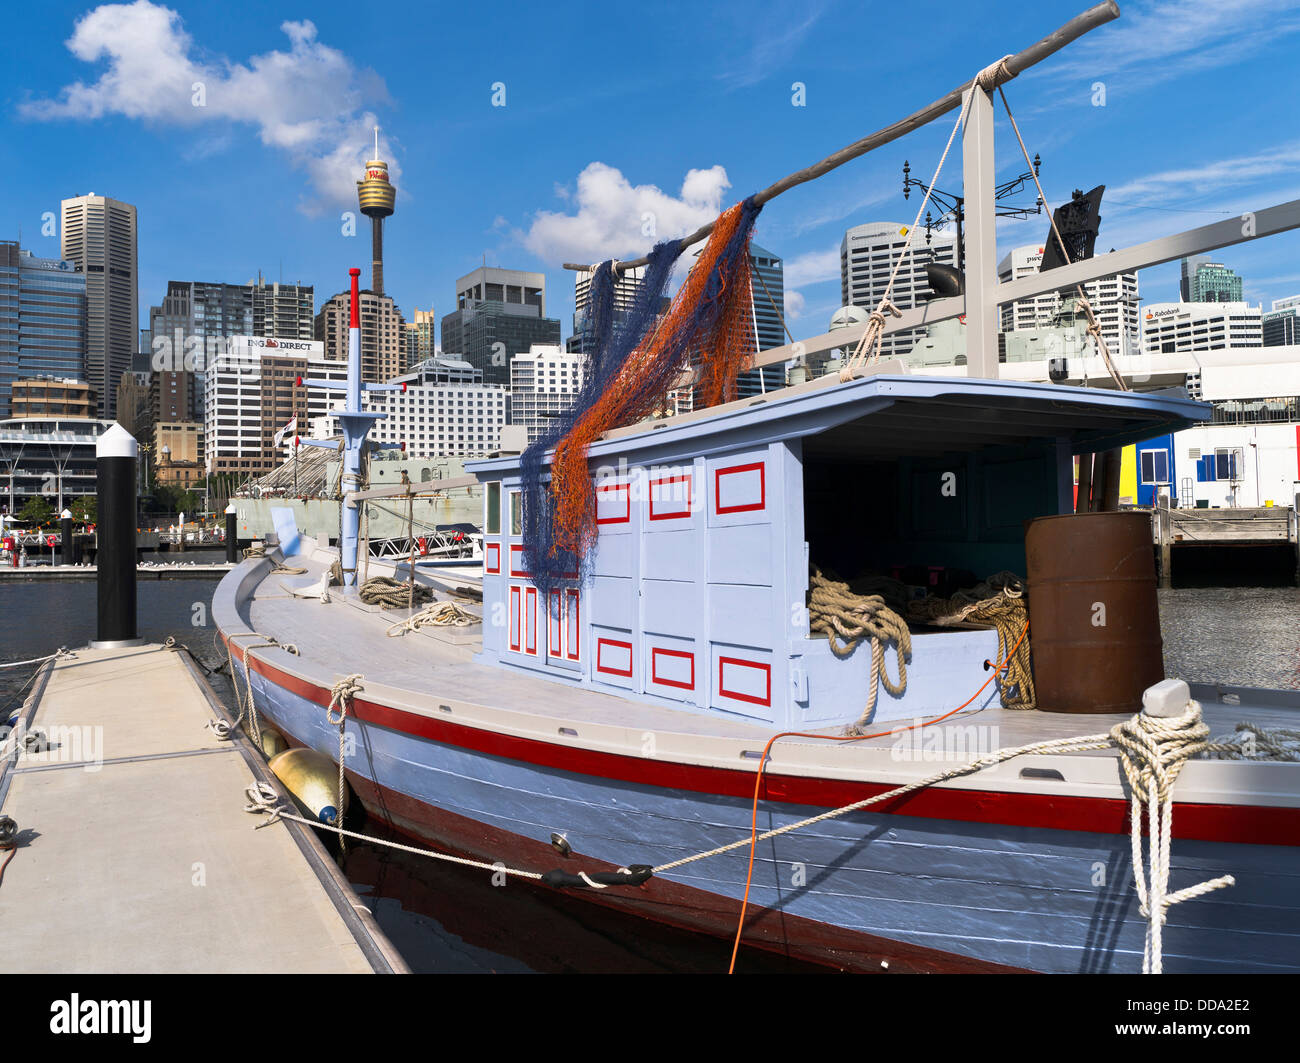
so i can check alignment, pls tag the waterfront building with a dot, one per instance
(42, 319)
(1114, 301)
(49, 457)
(99, 235)
(178, 457)
(867, 255)
(444, 411)
(252, 391)
(1170, 328)
(543, 385)
(499, 313)
(383, 334)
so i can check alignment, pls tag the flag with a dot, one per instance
(287, 430)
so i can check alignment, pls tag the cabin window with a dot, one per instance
(1155, 467)
(516, 513)
(1227, 464)
(492, 497)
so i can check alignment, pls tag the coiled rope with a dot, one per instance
(999, 603)
(440, 614)
(393, 594)
(834, 610)
(276, 566)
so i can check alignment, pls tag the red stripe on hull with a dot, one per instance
(1237, 824)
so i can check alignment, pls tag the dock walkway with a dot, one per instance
(134, 851)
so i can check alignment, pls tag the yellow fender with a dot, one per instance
(313, 779)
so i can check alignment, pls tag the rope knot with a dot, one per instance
(1154, 749)
(347, 687)
(994, 74)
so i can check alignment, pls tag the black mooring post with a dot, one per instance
(232, 551)
(115, 456)
(65, 536)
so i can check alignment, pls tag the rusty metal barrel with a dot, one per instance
(1094, 612)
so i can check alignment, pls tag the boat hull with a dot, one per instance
(872, 891)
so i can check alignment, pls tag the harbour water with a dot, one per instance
(450, 919)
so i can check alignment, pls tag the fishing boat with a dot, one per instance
(679, 712)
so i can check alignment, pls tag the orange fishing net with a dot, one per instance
(710, 323)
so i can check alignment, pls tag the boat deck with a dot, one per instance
(434, 673)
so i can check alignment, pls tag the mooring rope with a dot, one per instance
(276, 566)
(220, 728)
(62, 651)
(345, 688)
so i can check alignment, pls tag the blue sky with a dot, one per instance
(615, 111)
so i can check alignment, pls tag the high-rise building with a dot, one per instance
(252, 391)
(1282, 323)
(383, 334)
(867, 255)
(499, 313)
(1189, 267)
(42, 319)
(99, 235)
(768, 286)
(196, 319)
(1172, 328)
(421, 338)
(627, 286)
(1214, 282)
(283, 311)
(543, 385)
(133, 412)
(1114, 301)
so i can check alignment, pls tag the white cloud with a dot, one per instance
(794, 305)
(308, 102)
(1214, 177)
(616, 218)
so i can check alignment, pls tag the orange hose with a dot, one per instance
(762, 764)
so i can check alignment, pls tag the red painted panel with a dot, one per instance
(517, 567)
(670, 508)
(492, 558)
(614, 493)
(515, 640)
(601, 657)
(573, 647)
(744, 507)
(737, 662)
(656, 652)
(530, 620)
(555, 622)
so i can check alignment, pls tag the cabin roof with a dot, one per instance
(893, 415)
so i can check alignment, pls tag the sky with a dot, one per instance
(524, 136)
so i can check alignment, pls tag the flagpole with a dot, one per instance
(295, 464)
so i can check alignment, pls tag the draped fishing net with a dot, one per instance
(636, 361)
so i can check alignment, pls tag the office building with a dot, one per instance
(1114, 301)
(1172, 328)
(133, 409)
(446, 411)
(42, 319)
(1281, 325)
(1213, 282)
(177, 448)
(499, 313)
(543, 385)
(867, 255)
(1188, 269)
(99, 235)
(252, 391)
(383, 334)
(627, 287)
(53, 457)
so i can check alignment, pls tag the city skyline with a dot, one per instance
(227, 183)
